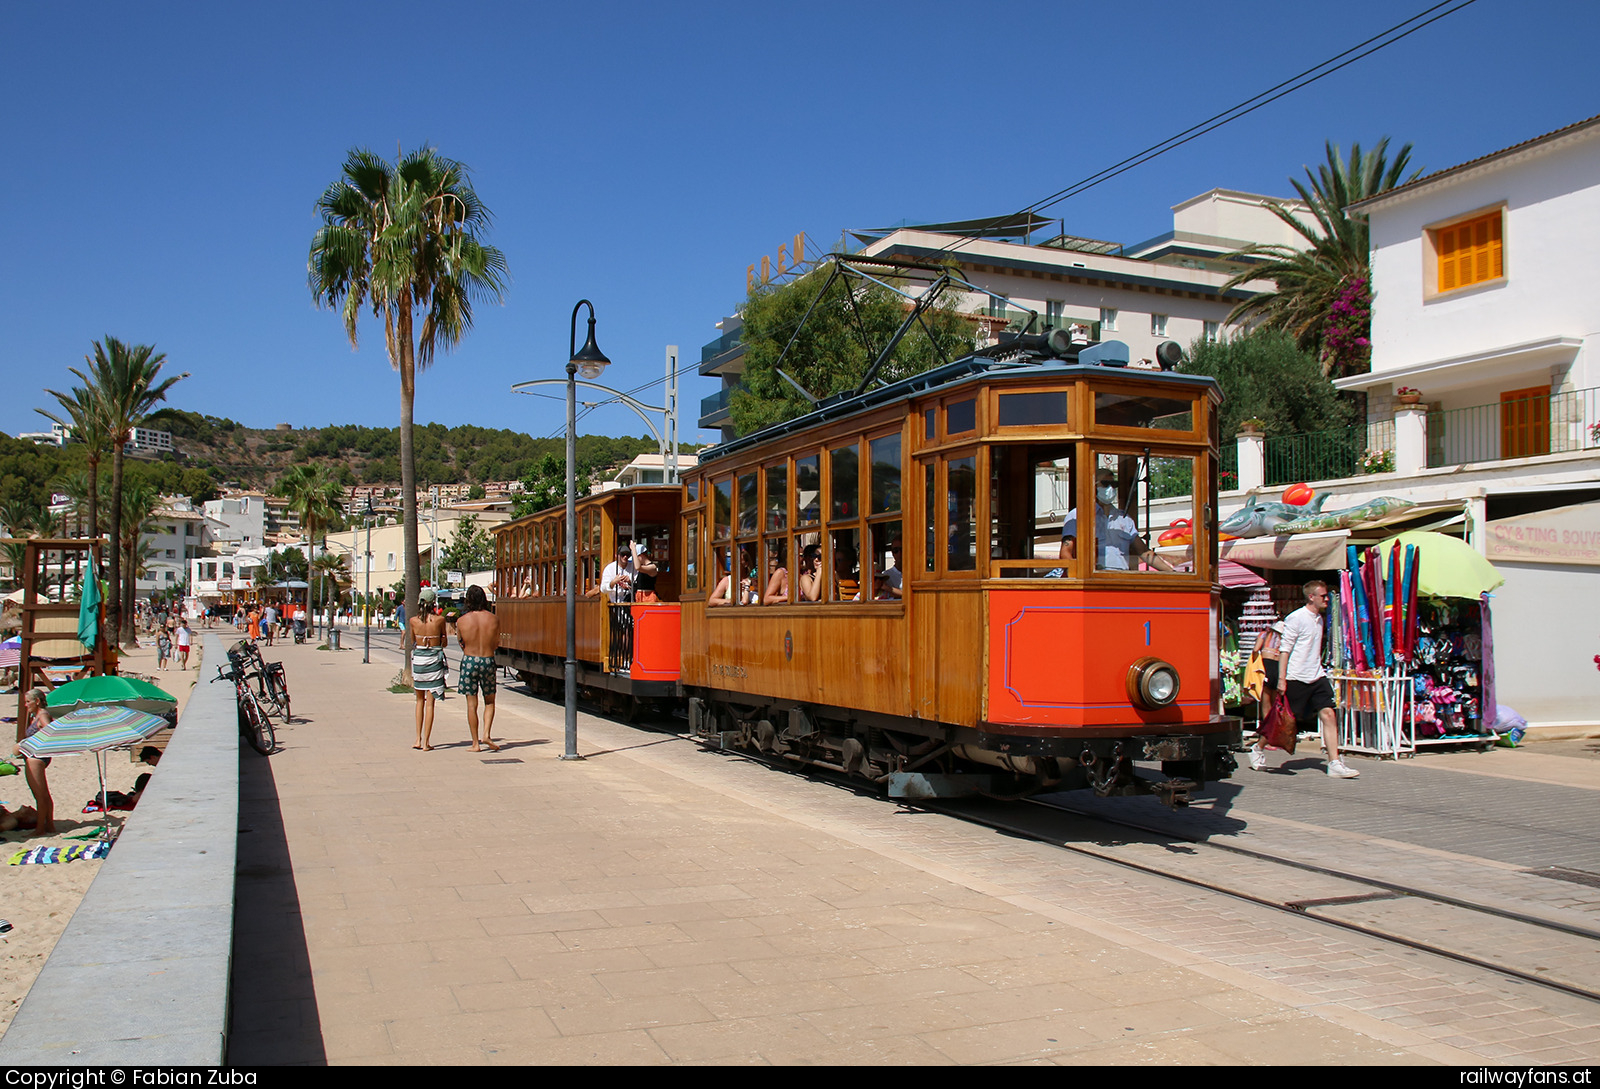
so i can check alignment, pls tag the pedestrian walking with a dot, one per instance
(1303, 679)
(183, 644)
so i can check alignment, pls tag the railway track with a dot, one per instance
(1547, 952)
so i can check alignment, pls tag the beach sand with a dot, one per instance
(38, 901)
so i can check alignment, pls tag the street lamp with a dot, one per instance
(366, 595)
(590, 362)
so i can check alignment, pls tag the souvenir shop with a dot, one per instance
(1409, 640)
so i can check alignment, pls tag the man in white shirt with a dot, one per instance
(269, 621)
(616, 581)
(1302, 678)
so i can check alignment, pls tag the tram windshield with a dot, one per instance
(1139, 498)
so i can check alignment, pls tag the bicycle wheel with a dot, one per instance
(278, 692)
(262, 739)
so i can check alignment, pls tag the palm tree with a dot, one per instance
(139, 503)
(85, 418)
(1324, 291)
(123, 381)
(397, 239)
(315, 496)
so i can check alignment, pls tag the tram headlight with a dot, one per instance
(1152, 683)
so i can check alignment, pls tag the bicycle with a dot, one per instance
(272, 686)
(254, 723)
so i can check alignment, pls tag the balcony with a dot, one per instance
(1329, 455)
(1518, 428)
(720, 351)
(714, 409)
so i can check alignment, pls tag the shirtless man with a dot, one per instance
(425, 632)
(478, 630)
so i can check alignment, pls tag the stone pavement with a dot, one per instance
(657, 903)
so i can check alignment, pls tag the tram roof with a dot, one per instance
(966, 371)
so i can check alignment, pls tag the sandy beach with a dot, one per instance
(38, 901)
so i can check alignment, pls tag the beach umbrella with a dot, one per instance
(119, 691)
(92, 728)
(1449, 566)
(11, 653)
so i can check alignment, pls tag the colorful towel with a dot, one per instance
(46, 855)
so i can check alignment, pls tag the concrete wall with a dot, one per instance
(1546, 634)
(140, 977)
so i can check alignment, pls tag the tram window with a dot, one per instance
(722, 504)
(807, 490)
(888, 556)
(594, 533)
(777, 497)
(962, 518)
(885, 474)
(722, 565)
(930, 424)
(808, 573)
(930, 512)
(1028, 409)
(960, 416)
(1127, 527)
(748, 511)
(776, 586)
(845, 493)
(1144, 410)
(691, 552)
(845, 547)
(1030, 492)
(694, 489)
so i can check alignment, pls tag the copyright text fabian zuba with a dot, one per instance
(125, 1076)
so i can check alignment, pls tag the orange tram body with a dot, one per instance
(897, 585)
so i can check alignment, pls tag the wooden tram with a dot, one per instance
(897, 586)
(627, 654)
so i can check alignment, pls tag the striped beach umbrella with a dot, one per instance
(91, 729)
(11, 654)
(120, 691)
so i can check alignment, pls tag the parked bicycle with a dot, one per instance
(255, 725)
(272, 686)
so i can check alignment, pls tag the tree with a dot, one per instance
(470, 547)
(1265, 375)
(847, 329)
(122, 379)
(543, 486)
(82, 411)
(1324, 291)
(398, 239)
(313, 495)
(139, 503)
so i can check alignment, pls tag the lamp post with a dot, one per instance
(366, 595)
(591, 362)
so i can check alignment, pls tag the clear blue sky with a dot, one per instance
(163, 161)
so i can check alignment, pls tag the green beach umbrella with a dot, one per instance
(1450, 566)
(89, 608)
(116, 691)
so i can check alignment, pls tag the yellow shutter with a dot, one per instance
(1471, 252)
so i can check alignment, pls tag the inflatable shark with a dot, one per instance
(1256, 519)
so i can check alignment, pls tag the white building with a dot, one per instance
(646, 469)
(176, 534)
(238, 519)
(1169, 287)
(1484, 279)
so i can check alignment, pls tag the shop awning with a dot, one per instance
(1296, 552)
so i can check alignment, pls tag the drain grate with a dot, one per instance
(1561, 873)
(505, 760)
(1337, 901)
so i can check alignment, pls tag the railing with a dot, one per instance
(1518, 428)
(721, 344)
(717, 401)
(1328, 455)
(1015, 320)
(619, 647)
(1228, 469)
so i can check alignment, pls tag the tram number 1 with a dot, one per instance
(1147, 633)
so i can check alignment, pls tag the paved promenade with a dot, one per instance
(655, 903)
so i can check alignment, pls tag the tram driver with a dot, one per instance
(1116, 534)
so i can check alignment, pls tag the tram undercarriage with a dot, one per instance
(916, 759)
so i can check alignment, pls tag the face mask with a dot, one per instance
(1107, 494)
